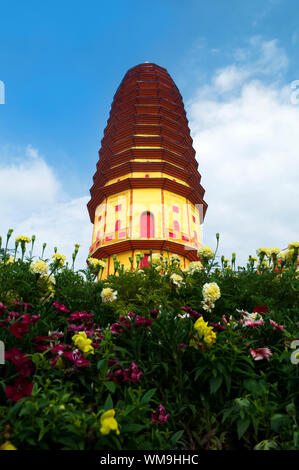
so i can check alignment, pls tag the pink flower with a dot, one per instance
(261, 353)
(254, 323)
(159, 416)
(60, 307)
(20, 389)
(276, 326)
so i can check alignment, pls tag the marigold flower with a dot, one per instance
(96, 263)
(293, 245)
(23, 239)
(194, 267)
(108, 422)
(10, 260)
(211, 292)
(108, 295)
(156, 259)
(263, 251)
(59, 259)
(205, 252)
(176, 279)
(39, 267)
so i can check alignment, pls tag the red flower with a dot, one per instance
(41, 347)
(77, 358)
(12, 315)
(80, 316)
(159, 416)
(20, 389)
(30, 319)
(192, 313)
(24, 364)
(130, 374)
(18, 329)
(60, 307)
(261, 309)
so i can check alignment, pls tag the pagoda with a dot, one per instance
(146, 192)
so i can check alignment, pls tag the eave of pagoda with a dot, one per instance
(146, 154)
(136, 183)
(115, 124)
(145, 244)
(131, 167)
(155, 141)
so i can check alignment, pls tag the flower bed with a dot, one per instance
(201, 358)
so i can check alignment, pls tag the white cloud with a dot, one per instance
(33, 202)
(248, 152)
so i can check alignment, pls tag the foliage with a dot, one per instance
(143, 356)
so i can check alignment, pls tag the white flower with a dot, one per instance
(176, 279)
(108, 295)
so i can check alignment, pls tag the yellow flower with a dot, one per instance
(83, 343)
(108, 422)
(10, 260)
(8, 446)
(59, 259)
(108, 295)
(156, 259)
(195, 266)
(211, 292)
(175, 258)
(21, 238)
(176, 279)
(205, 252)
(204, 331)
(39, 267)
(274, 251)
(95, 263)
(293, 245)
(263, 251)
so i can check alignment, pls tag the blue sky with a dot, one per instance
(62, 61)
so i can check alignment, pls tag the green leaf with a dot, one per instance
(132, 427)
(279, 420)
(215, 383)
(147, 396)
(242, 427)
(111, 386)
(101, 364)
(291, 410)
(177, 436)
(108, 403)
